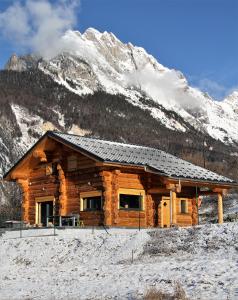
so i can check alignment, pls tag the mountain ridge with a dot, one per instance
(110, 96)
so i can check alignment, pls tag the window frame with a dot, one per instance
(91, 194)
(186, 206)
(132, 192)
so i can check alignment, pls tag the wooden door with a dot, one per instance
(165, 212)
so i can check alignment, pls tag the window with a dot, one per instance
(91, 201)
(183, 206)
(130, 199)
(72, 163)
(51, 169)
(48, 169)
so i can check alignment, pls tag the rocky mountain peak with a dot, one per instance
(22, 63)
(14, 64)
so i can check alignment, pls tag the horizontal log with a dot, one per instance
(158, 191)
(131, 214)
(129, 176)
(129, 223)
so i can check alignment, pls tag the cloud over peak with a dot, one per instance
(38, 25)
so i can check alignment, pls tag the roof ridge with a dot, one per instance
(120, 143)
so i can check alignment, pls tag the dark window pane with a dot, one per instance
(92, 203)
(183, 206)
(130, 201)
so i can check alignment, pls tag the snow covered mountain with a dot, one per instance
(100, 61)
(99, 86)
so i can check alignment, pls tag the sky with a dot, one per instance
(197, 37)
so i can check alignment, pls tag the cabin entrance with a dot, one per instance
(44, 209)
(165, 212)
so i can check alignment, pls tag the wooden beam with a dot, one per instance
(211, 185)
(221, 191)
(63, 201)
(170, 186)
(158, 191)
(205, 193)
(220, 208)
(174, 213)
(107, 195)
(24, 184)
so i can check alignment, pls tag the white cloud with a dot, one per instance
(38, 25)
(211, 87)
(168, 88)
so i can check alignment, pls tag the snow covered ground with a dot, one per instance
(87, 264)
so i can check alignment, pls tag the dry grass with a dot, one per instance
(154, 294)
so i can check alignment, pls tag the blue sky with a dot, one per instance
(197, 37)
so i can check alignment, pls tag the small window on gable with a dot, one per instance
(48, 169)
(183, 206)
(72, 163)
(51, 169)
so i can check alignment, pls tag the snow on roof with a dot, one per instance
(122, 153)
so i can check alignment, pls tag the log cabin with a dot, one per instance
(112, 184)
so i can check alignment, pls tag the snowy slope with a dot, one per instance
(86, 264)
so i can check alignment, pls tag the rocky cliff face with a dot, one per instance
(114, 91)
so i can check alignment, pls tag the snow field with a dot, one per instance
(87, 264)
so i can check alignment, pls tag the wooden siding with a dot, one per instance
(184, 219)
(41, 185)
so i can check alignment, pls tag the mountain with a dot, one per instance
(105, 88)
(99, 61)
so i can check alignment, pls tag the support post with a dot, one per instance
(24, 184)
(63, 201)
(174, 213)
(220, 208)
(107, 195)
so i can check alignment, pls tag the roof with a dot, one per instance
(164, 163)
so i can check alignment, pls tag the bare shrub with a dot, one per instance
(179, 292)
(155, 294)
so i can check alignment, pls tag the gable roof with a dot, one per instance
(126, 154)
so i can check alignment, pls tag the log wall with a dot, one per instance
(66, 186)
(41, 185)
(184, 219)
